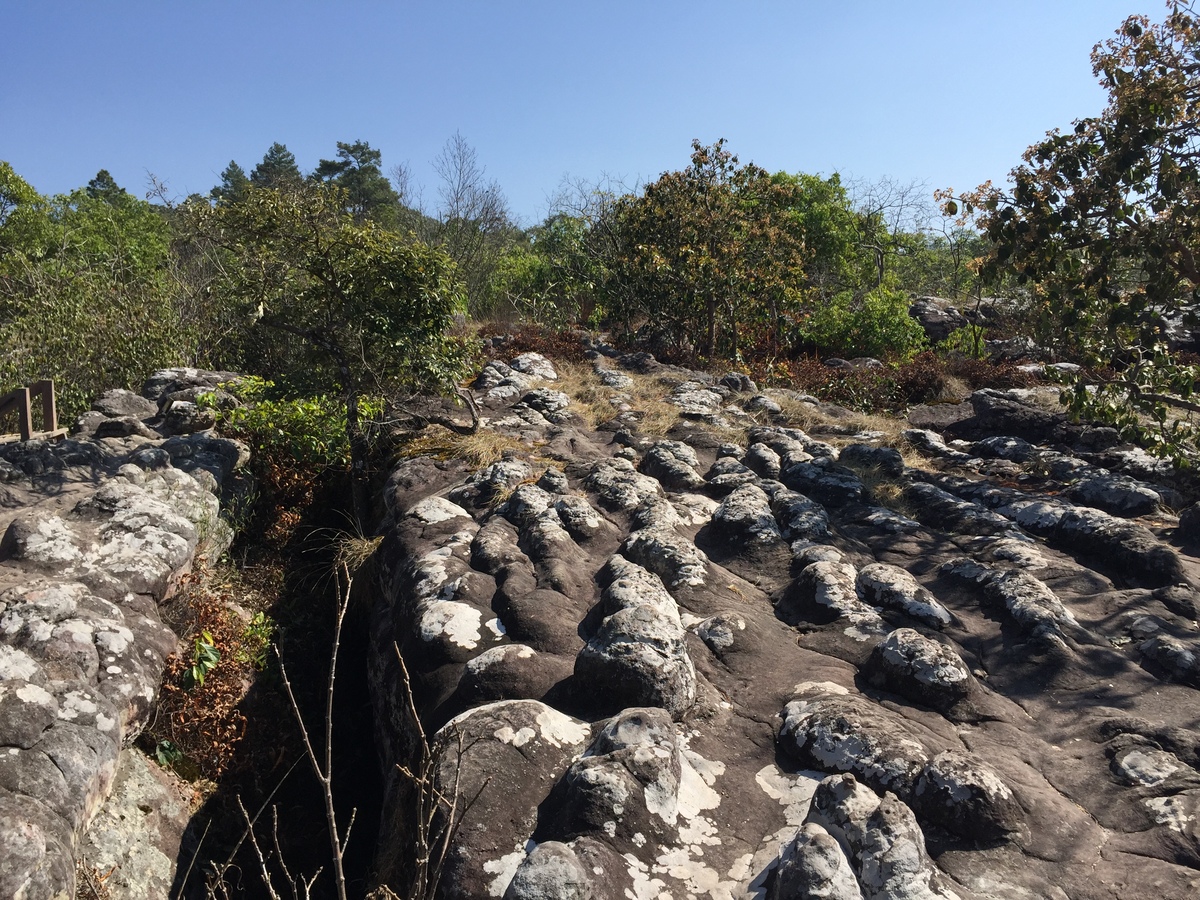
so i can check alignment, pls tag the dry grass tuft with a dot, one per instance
(885, 489)
(649, 394)
(352, 551)
(808, 417)
(477, 450)
(590, 399)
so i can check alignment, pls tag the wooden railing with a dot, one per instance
(20, 402)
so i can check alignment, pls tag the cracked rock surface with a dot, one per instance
(746, 660)
(97, 529)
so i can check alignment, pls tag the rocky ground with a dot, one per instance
(669, 637)
(765, 654)
(97, 530)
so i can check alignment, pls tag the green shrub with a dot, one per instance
(967, 341)
(875, 324)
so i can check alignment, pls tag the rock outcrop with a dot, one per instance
(746, 660)
(97, 529)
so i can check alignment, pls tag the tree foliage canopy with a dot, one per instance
(1102, 222)
(724, 256)
(86, 295)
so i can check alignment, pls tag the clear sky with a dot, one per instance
(948, 92)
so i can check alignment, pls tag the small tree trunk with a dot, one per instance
(359, 452)
(710, 349)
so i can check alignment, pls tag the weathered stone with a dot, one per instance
(551, 871)
(813, 865)
(136, 839)
(745, 518)
(536, 365)
(893, 588)
(619, 485)
(844, 733)
(672, 463)
(824, 482)
(885, 460)
(962, 794)
(119, 402)
(937, 317)
(921, 669)
(638, 653)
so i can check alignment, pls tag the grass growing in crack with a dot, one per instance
(476, 450)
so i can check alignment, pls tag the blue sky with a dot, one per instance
(948, 93)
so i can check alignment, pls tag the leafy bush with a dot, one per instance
(86, 296)
(967, 341)
(876, 324)
(557, 344)
(294, 441)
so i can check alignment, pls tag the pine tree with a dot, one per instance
(233, 184)
(278, 168)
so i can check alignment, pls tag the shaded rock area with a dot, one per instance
(97, 529)
(746, 660)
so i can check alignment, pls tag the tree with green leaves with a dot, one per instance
(87, 298)
(234, 182)
(363, 308)
(369, 195)
(1101, 225)
(720, 258)
(104, 187)
(278, 169)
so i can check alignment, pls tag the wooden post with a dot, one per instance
(45, 387)
(25, 420)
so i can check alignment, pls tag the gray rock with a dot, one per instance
(184, 417)
(761, 403)
(1028, 600)
(167, 381)
(672, 463)
(845, 733)
(799, 517)
(638, 653)
(880, 584)
(696, 401)
(921, 669)
(895, 865)
(551, 871)
(536, 365)
(136, 838)
(1004, 447)
(1180, 658)
(963, 795)
(825, 592)
(842, 806)
(552, 405)
(813, 865)
(119, 402)
(745, 517)
(824, 482)
(619, 485)
(763, 460)
(739, 383)
(1116, 494)
(554, 481)
(122, 427)
(721, 632)
(674, 558)
(628, 782)
(885, 460)
(937, 317)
